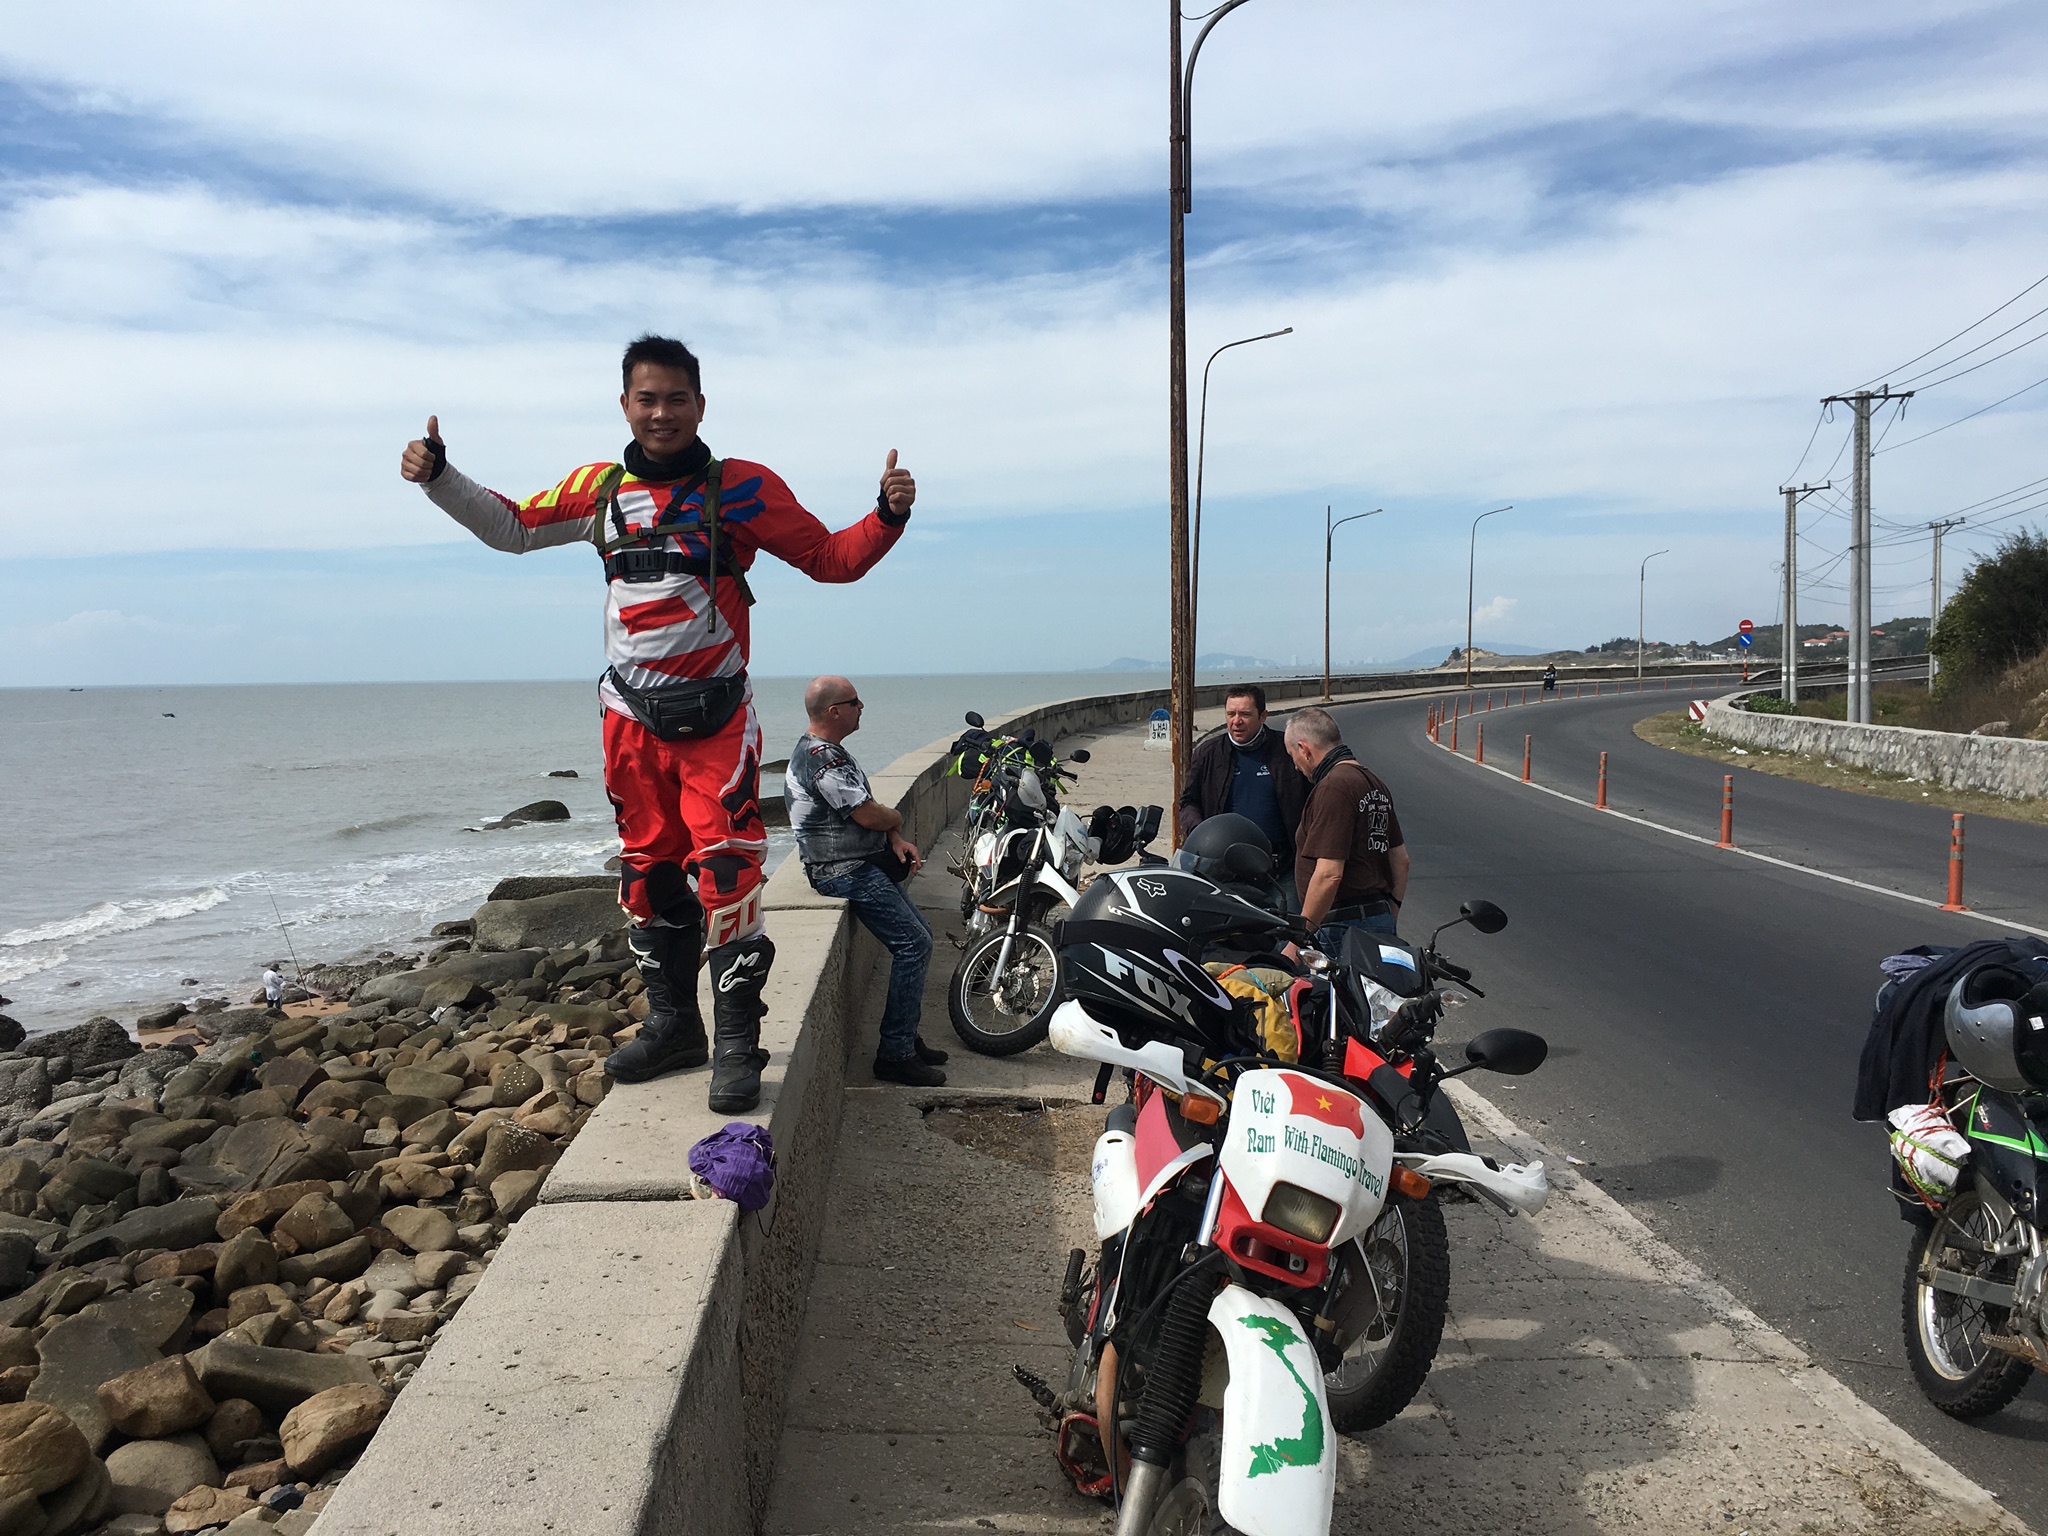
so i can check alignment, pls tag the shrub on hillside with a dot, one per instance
(1999, 615)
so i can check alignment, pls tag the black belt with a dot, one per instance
(1360, 911)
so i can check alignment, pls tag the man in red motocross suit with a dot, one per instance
(678, 531)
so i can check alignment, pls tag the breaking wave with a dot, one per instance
(113, 917)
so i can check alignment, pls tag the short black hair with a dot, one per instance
(663, 352)
(1250, 691)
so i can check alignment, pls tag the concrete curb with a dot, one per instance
(1998, 765)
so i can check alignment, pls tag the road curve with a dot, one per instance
(1705, 1013)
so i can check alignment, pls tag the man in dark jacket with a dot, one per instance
(1245, 768)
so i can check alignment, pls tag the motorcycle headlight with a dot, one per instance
(1303, 1214)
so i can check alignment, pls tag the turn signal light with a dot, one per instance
(1200, 1110)
(1410, 1183)
(1301, 1213)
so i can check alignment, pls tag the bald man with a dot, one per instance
(853, 848)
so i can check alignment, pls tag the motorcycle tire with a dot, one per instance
(1389, 1358)
(1018, 1018)
(1960, 1374)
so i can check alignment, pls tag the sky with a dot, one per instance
(1597, 260)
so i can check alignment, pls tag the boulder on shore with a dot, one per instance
(560, 921)
(525, 887)
(539, 810)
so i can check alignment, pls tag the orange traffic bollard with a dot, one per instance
(1600, 799)
(1727, 811)
(1955, 866)
(1479, 748)
(1454, 733)
(1527, 743)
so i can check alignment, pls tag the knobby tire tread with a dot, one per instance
(1016, 1041)
(1985, 1390)
(1420, 1329)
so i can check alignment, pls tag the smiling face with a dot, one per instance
(663, 409)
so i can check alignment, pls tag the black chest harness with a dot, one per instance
(641, 555)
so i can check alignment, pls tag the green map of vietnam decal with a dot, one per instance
(1306, 1448)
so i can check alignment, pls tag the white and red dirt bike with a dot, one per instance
(1229, 1194)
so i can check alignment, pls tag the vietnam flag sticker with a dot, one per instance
(1319, 1101)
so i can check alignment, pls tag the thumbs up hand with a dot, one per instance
(898, 489)
(424, 457)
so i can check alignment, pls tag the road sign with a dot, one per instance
(1745, 640)
(1745, 626)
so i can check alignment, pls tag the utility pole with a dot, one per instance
(1180, 86)
(1330, 528)
(1788, 664)
(1934, 607)
(1471, 569)
(1642, 585)
(1860, 617)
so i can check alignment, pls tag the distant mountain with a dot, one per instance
(1435, 656)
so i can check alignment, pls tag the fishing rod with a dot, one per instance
(284, 928)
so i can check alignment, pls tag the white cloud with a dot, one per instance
(1494, 611)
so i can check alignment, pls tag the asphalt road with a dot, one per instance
(1705, 1013)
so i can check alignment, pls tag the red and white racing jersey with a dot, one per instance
(660, 632)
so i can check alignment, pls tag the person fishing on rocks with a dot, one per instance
(678, 530)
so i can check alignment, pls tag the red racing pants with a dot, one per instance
(691, 840)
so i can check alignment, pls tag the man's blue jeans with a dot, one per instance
(888, 914)
(1330, 937)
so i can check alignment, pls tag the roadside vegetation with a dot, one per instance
(1677, 733)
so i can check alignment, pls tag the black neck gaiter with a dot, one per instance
(642, 465)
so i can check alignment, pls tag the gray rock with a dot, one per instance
(1993, 728)
(95, 1044)
(522, 887)
(549, 922)
(146, 1072)
(160, 1313)
(77, 1355)
(276, 1380)
(24, 1086)
(537, 810)
(17, 1260)
(11, 1033)
(181, 1224)
(275, 1151)
(162, 1016)
(247, 1258)
(393, 1271)
(344, 1261)
(79, 1181)
(420, 1227)
(79, 1502)
(132, 1525)
(509, 1148)
(419, 1083)
(149, 1476)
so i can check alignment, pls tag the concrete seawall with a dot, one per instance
(621, 1368)
(1998, 765)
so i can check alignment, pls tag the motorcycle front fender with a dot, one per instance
(1278, 1474)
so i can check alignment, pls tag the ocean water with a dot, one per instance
(160, 843)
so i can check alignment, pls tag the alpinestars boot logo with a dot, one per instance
(740, 972)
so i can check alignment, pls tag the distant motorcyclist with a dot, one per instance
(1550, 678)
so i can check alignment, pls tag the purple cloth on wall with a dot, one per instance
(737, 1160)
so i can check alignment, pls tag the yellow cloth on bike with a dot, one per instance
(1265, 987)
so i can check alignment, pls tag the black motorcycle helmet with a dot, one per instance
(1131, 954)
(1207, 849)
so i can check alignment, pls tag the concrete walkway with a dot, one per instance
(1590, 1378)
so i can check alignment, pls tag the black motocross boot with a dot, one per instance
(739, 971)
(672, 1035)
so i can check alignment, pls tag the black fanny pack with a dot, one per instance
(700, 707)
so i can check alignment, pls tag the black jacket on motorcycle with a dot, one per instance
(1907, 1036)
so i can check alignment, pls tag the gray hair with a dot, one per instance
(1317, 727)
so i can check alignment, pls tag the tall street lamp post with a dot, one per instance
(1471, 568)
(1201, 452)
(1642, 581)
(1180, 92)
(1329, 528)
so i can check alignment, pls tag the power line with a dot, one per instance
(2037, 314)
(1994, 405)
(1994, 357)
(1959, 335)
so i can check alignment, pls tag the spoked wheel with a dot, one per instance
(1389, 1305)
(1962, 1375)
(1000, 1016)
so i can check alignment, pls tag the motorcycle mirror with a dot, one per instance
(1078, 755)
(1484, 916)
(975, 720)
(1513, 1052)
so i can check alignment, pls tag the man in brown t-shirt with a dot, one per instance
(1350, 861)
